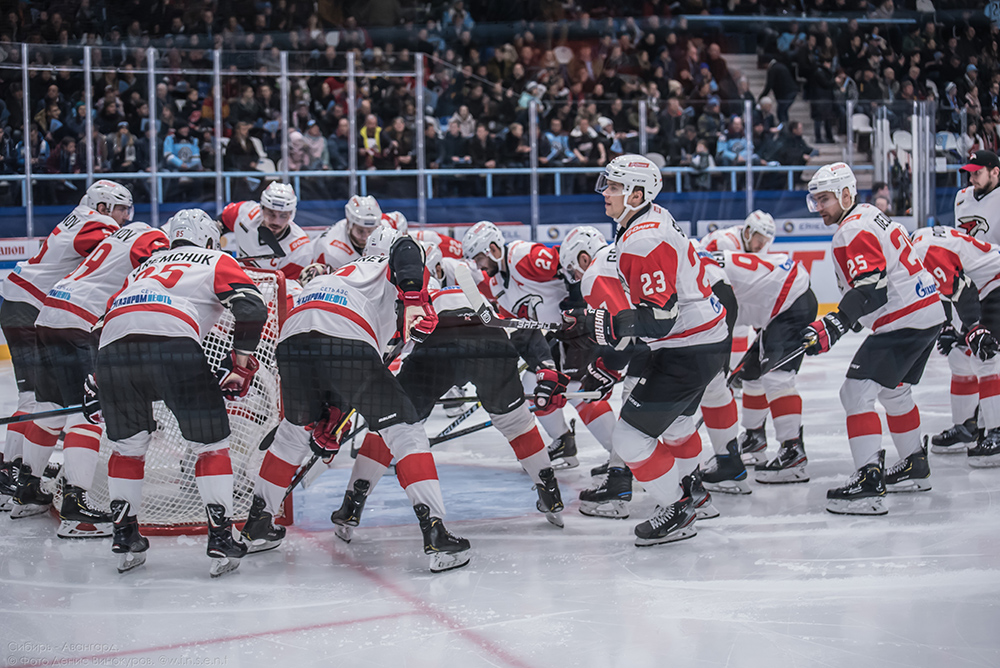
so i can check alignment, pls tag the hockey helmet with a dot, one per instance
(478, 239)
(585, 239)
(195, 227)
(760, 223)
(279, 197)
(109, 193)
(363, 211)
(832, 178)
(315, 270)
(380, 241)
(632, 171)
(396, 220)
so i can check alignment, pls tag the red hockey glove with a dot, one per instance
(820, 335)
(419, 316)
(600, 378)
(328, 432)
(549, 390)
(235, 380)
(982, 343)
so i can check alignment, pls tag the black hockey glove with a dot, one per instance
(599, 378)
(551, 385)
(948, 339)
(91, 402)
(820, 335)
(595, 323)
(982, 343)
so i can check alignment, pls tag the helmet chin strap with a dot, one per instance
(627, 209)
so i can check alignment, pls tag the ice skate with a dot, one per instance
(260, 533)
(611, 497)
(753, 446)
(912, 474)
(863, 494)
(726, 473)
(549, 498)
(225, 550)
(986, 453)
(344, 532)
(957, 438)
(453, 408)
(78, 519)
(447, 551)
(788, 467)
(349, 513)
(668, 524)
(562, 451)
(701, 500)
(29, 497)
(128, 543)
(600, 470)
(8, 484)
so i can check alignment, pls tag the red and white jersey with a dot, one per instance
(79, 300)
(725, 239)
(532, 286)
(979, 218)
(451, 301)
(867, 241)
(764, 285)
(243, 219)
(600, 285)
(356, 302)
(334, 246)
(658, 263)
(179, 292)
(945, 252)
(71, 241)
(449, 247)
(450, 263)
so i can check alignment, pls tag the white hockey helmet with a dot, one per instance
(479, 237)
(760, 223)
(632, 171)
(832, 178)
(363, 211)
(396, 220)
(585, 239)
(434, 262)
(279, 197)
(109, 193)
(195, 227)
(380, 241)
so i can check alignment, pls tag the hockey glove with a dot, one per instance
(419, 316)
(549, 390)
(595, 323)
(328, 432)
(820, 335)
(599, 378)
(982, 343)
(235, 380)
(91, 402)
(948, 339)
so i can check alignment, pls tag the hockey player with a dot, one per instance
(150, 351)
(753, 236)
(885, 287)
(104, 208)
(396, 220)
(268, 229)
(967, 272)
(67, 350)
(977, 207)
(330, 359)
(450, 247)
(344, 241)
(964, 390)
(460, 350)
(673, 310)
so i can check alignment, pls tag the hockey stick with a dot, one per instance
(483, 310)
(584, 396)
(315, 458)
(29, 417)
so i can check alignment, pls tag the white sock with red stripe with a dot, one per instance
(14, 443)
(903, 419)
(415, 468)
(600, 420)
(214, 474)
(372, 462)
(754, 404)
(283, 458)
(684, 444)
(520, 430)
(126, 468)
(864, 428)
(39, 441)
(651, 462)
(741, 344)
(785, 404)
(81, 449)
(989, 394)
(554, 423)
(721, 415)
(964, 385)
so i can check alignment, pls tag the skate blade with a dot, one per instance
(683, 534)
(989, 462)
(28, 510)
(344, 533)
(74, 529)
(260, 545)
(867, 506)
(555, 519)
(223, 565)
(912, 485)
(129, 560)
(443, 561)
(754, 458)
(783, 477)
(564, 463)
(615, 510)
(454, 412)
(957, 449)
(729, 486)
(706, 511)
(6, 505)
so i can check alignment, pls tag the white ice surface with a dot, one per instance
(775, 581)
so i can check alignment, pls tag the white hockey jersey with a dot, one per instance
(243, 219)
(357, 302)
(726, 238)
(979, 218)
(945, 252)
(657, 263)
(450, 248)
(764, 285)
(600, 285)
(179, 292)
(79, 300)
(531, 287)
(867, 241)
(70, 242)
(334, 246)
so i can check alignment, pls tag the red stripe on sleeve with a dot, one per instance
(92, 233)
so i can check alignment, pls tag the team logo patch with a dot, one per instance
(527, 307)
(972, 225)
(638, 164)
